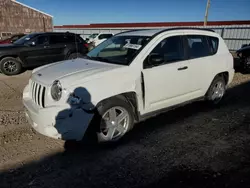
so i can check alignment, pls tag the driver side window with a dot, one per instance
(42, 40)
(169, 50)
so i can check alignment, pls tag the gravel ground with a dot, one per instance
(192, 146)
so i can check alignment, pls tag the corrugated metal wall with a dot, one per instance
(234, 35)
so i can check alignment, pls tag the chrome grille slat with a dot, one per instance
(35, 95)
(33, 90)
(38, 94)
(43, 97)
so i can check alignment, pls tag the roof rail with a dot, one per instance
(169, 29)
(191, 28)
(132, 30)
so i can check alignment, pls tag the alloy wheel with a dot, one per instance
(115, 123)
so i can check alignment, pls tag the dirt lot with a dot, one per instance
(193, 146)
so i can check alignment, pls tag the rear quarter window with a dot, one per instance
(72, 38)
(213, 44)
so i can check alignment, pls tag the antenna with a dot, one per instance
(206, 13)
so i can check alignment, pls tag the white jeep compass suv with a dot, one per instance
(130, 76)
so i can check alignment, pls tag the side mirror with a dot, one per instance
(155, 59)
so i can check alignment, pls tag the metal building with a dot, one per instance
(16, 17)
(235, 33)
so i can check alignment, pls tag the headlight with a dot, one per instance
(56, 90)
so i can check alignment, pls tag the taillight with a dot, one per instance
(86, 45)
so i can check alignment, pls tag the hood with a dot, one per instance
(71, 71)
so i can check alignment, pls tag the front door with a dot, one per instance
(167, 83)
(37, 53)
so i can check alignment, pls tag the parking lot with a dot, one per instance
(193, 146)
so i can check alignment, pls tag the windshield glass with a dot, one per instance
(93, 35)
(24, 39)
(118, 49)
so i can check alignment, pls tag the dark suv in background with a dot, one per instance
(38, 49)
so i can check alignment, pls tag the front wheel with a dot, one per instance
(113, 120)
(10, 66)
(216, 90)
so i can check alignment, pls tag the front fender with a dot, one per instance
(99, 89)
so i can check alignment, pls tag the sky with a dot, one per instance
(127, 11)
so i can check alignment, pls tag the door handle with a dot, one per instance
(46, 46)
(183, 68)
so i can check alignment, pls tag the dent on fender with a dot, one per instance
(73, 122)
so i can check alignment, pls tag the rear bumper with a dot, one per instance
(59, 122)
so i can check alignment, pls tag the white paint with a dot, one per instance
(95, 81)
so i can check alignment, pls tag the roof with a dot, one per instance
(156, 24)
(151, 32)
(14, 1)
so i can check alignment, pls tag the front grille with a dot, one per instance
(38, 93)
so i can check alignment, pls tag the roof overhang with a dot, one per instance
(14, 1)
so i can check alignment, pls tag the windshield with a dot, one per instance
(24, 39)
(118, 49)
(93, 35)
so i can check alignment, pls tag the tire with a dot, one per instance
(75, 55)
(111, 131)
(246, 65)
(10, 66)
(216, 90)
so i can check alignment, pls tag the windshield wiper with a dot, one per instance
(103, 59)
(87, 57)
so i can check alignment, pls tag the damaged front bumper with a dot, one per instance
(59, 122)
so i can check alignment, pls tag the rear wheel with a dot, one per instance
(216, 90)
(10, 66)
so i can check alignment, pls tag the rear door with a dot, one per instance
(58, 45)
(202, 61)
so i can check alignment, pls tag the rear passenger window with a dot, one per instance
(213, 44)
(72, 38)
(197, 46)
(56, 39)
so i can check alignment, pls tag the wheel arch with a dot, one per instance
(224, 75)
(13, 56)
(130, 97)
